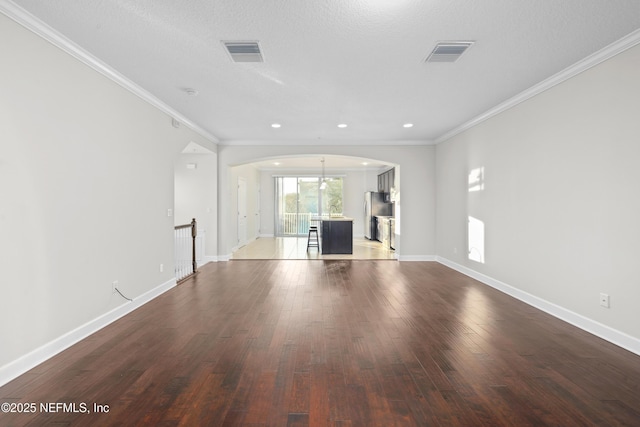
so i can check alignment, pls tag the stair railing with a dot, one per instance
(185, 250)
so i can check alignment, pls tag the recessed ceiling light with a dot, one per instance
(191, 91)
(276, 163)
(365, 163)
(342, 125)
(276, 125)
(407, 125)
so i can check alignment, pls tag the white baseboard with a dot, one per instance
(605, 332)
(207, 259)
(32, 359)
(416, 257)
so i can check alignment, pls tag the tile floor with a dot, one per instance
(296, 248)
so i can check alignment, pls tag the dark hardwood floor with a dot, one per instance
(334, 343)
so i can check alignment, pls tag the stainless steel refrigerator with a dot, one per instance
(374, 205)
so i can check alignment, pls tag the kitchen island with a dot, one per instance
(336, 235)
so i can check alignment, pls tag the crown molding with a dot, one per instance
(38, 27)
(590, 61)
(326, 142)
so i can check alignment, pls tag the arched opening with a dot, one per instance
(283, 196)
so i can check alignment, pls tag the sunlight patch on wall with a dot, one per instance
(476, 240)
(476, 179)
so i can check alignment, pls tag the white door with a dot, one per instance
(242, 212)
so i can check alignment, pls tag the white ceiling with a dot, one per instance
(359, 62)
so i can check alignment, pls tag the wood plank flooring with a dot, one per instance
(334, 343)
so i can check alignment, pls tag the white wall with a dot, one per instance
(415, 210)
(86, 178)
(196, 196)
(560, 201)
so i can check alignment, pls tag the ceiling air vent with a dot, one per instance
(244, 51)
(448, 51)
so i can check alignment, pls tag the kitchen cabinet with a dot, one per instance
(392, 233)
(386, 231)
(387, 181)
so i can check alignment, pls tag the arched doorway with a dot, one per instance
(265, 181)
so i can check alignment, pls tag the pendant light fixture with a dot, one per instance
(323, 184)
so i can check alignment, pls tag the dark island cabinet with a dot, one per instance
(337, 237)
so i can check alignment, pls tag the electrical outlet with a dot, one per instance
(161, 268)
(604, 300)
(114, 285)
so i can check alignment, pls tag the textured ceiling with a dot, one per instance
(359, 62)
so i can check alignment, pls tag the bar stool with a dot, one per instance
(312, 239)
